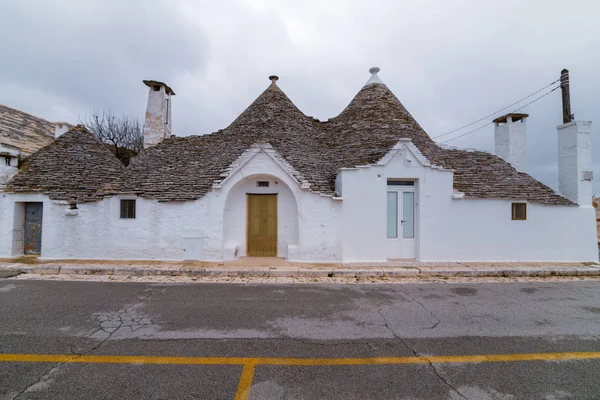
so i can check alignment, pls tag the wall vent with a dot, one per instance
(587, 175)
(262, 183)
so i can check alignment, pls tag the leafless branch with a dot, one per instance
(124, 134)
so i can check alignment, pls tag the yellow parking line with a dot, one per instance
(249, 364)
(478, 358)
(243, 389)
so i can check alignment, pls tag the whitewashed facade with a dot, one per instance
(402, 206)
(312, 227)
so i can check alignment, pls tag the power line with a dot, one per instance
(515, 110)
(533, 101)
(496, 112)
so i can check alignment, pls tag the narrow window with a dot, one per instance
(156, 88)
(127, 208)
(519, 211)
(408, 215)
(167, 112)
(262, 183)
(392, 182)
(7, 160)
(392, 214)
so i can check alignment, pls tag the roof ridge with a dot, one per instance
(23, 131)
(26, 113)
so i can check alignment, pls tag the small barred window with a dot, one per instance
(127, 208)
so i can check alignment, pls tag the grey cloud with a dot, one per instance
(96, 53)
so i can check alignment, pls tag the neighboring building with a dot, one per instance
(22, 134)
(596, 203)
(367, 185)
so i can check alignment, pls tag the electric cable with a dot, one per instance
(489, 123)
(496, 112)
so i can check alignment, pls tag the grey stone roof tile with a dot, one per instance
(23, 131)
(185, 168)
(73, 167)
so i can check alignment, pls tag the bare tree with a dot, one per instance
(123, 134)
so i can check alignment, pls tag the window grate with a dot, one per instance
(262, 183)
(127, 209)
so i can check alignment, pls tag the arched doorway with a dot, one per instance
(260, 218)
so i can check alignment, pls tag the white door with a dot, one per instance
(401, 227)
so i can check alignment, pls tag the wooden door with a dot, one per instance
(261, 225)
(33, 228)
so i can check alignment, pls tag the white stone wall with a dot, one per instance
(312, 227)
(574, 157)
(308, 223)
(482, 230)
(211, 228)
(449, 228)
(510, 142)
(8, 171)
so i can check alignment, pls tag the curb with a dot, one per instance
(294, 272)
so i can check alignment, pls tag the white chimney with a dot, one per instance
(510, 139)
(575, 161)
(60, 128)
(157, 125)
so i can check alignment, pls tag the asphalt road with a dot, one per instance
(225, 341)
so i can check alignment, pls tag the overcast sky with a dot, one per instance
(450, 62)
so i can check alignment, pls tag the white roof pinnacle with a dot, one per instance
(374, 78)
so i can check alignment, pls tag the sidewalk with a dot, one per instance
(276, 268)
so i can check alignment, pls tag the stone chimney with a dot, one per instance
(510, 139)
(575, 161)
(157, 125)
(60, 128)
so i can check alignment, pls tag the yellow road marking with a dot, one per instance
(249, 364)
(67, 358)
(243, 389)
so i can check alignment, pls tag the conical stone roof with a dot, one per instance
(73, 167)
(185, 168)
(375, 120)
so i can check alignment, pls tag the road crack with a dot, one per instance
(123, 320)
(418, 355)
(127, 318)
(437, 320)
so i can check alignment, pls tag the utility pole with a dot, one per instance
(566, 96)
